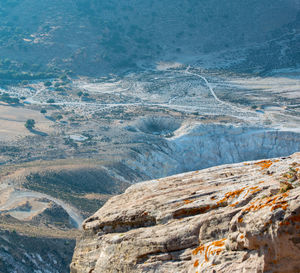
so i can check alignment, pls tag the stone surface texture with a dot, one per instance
(242, 217)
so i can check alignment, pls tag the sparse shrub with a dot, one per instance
(70, 142)
(60, 89)
(47, 84)
(8, 99)
(30, 123)
(50, 101)
(59, 117)
(63, 77)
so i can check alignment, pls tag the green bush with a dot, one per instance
(30, 123)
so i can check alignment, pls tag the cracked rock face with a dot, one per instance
(233, 218)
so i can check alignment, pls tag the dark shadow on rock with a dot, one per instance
(36, 132)
(50, 118)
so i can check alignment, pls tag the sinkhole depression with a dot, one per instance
(181, 149)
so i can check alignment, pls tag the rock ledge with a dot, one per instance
(233, 218)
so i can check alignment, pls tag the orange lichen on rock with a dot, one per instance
(234, 204)
(231, 195)
(198, 249)
(284, 223)
(253, 190)
(234, 194)
(186, 212)
(268, 223)
(274, 202)
(295, 218)
(219, 243)
(196, 263)
(281, 204)
(265, 164)
(187, 201)
(214, 248)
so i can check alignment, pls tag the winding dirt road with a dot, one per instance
(17, 195)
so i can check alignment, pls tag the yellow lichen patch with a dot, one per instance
(289, 179)
(265, 164)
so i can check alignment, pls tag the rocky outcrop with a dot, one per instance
(232, 218)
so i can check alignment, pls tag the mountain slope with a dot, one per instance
(90, 37)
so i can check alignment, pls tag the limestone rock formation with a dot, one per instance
(243, 217)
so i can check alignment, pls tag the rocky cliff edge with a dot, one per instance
(233, 218)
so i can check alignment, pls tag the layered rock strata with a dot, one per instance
(243, 217)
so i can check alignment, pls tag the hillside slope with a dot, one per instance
(93, 37)
(232, 218)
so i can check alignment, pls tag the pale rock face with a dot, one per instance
(231, 218)
(206, 145)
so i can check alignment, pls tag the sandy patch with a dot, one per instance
(12, 120)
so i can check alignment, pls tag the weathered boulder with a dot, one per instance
(233, 218)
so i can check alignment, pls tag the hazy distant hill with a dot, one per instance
(93, 36)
